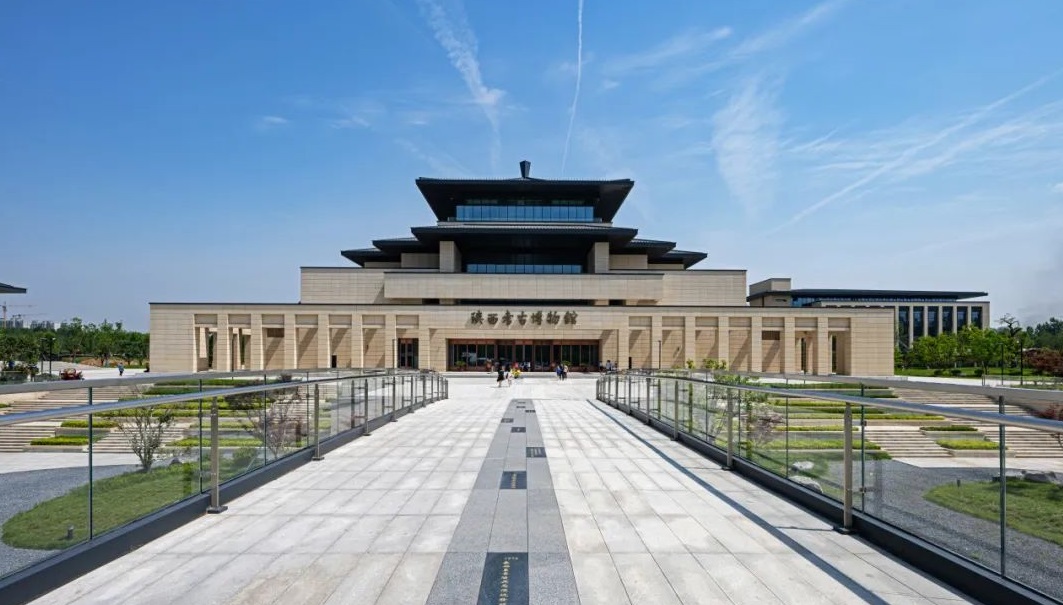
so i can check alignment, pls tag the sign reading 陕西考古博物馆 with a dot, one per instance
(552, 317)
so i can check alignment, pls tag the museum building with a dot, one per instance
(524, 270)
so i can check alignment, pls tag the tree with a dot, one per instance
(144, 430)
(275, 419)
(1046, 361)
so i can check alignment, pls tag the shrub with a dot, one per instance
(978, 372)
(939, 373)
(84, 424)
(956, 371)
(967, 444)
(65, 440)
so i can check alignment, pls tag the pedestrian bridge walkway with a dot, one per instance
(533, 493)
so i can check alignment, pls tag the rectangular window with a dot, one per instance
(946, 320)
(976, 317)
(932, 321)
(917, 321)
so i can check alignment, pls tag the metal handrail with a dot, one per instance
(111, 406)
(1011, 394)
(1042, 424)
(149, 377)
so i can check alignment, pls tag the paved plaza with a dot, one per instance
(531, 493)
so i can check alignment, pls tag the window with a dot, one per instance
(932, 321)
(946, 320)
(976, 317)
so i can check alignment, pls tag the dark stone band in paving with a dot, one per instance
(510, 534)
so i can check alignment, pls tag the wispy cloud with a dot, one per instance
(1058, 188)
(270, 122)
(686, 56)
(441, 163)
(458, 40)
(680, 46)
(928, 151)
(745, 140)
(579, 79)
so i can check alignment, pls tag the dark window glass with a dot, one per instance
(917, 321)
(932, 321)
(946, 319)
(976, 317)
(961, 317)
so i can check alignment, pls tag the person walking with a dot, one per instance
(121, 368)
(501, 376)
(557, 370)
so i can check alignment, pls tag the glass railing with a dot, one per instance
(926, 459)
(83, 458)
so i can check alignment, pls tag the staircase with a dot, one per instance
(116, 442)
(52, 400)
(904, 442)
(17, 438)
(1025, 443)
(966, 401)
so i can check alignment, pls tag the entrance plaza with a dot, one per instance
(523, 270)
(534, 493)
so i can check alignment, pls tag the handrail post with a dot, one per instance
(675, 411)
(847, 472)
(730, 431)
(317, 424)
(215, 466)
(1003, 493)
(91, 507)
(365, 406)
(394, 390)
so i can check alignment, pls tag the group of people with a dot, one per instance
(608, 367)
(507, 374)
(562, 371)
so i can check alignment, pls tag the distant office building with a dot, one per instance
(528, 271)
(918, 312)
(43, 324)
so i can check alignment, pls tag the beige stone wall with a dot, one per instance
(398, 285)
(417, 260)
(341, 285)
(304, 335)
(704, 288)
(627, 262)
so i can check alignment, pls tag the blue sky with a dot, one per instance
(187, 151)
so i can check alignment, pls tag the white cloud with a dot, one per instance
(682, 45)
(745, 140)
(270, 122)
(917, 153)
(458, 40)
(1058, 188)
(608, 84)
(579, 79)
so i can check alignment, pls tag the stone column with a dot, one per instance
(223, 345)
(357, 348)
(911, 323)
(690, 341)
(255, 361)
(656, 335)
(823, 346)
(290, 341)
(791, 353)
(390, 335)
(723, 336)
(238, 354)
(623, 345)
(756, 346)
(324, 341)
(424, 347)
(953, 307)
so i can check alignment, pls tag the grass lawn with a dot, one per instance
(965, 372)
(967, 444)
(70, 440)
(222, 442)
(816, 444)
(1033, 508)
(118, 500)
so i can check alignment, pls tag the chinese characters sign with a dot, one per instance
(536, 318)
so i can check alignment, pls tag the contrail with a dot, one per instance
(579, 77)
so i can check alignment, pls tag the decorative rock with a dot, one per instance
(802, 466)
(1011, 474)
(807, 482)
(1043, 477)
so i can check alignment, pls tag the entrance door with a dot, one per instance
(542, 358)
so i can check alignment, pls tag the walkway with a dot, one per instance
(524, 494)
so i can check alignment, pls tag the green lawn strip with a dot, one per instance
(117, 501)
(84, 424)
(1033, 508)
(835, 416)
(826, 428)
(65, 440)
(815, 444)
(951, 428)
(967, 444)
(222, 442)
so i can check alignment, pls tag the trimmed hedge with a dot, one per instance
(967, 444)
(84, 424)
(952, 428)
(65, 440)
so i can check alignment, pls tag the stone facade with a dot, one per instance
(534, 272)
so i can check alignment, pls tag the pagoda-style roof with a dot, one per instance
(9, 289)
(444, 195)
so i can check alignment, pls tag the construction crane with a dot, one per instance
(4, 306)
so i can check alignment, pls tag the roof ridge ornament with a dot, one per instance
(525, 169)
